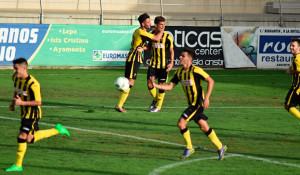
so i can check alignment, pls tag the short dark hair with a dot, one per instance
(296, 40)
(190, 52)
(143, 17)
(21, 61)
(159, 19)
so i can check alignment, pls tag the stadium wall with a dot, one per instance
(107, 45)
(177, 12)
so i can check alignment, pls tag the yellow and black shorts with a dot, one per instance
(194, 113)
(160, 74)
(29, 125)
(131, 69)
(292, 99)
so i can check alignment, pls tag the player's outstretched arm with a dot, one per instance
(166, 87)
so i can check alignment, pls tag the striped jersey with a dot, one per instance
(29, 90)
(158, 51)
(296, 67)
(191, 81)
(139, 39)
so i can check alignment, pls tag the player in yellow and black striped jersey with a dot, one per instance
(32, 86)
(159, 65)
(191, 78)
(293, 97)
(135, 56)
(27, 95)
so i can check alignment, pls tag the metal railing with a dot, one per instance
(220, 7)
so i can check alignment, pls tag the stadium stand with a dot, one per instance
(283, 13)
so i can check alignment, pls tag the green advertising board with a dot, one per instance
(98, 45)
(83, 45)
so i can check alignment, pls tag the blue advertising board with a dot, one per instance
(274, 47)
(19, 40)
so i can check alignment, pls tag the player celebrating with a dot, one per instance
(158, 66)
(191, 78)
(27, 95)
(293, 97)
(135, 56)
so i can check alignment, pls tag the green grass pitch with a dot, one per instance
(246, 111)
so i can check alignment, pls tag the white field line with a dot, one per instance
(104, 132)
(163, 168)
(170, 166)
(267, 160)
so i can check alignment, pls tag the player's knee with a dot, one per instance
(23, 135)
(30, 139)
(203, 126)
(205, 129)
(181, 125)
(208, 131)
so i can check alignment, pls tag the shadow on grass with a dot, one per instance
(74, 170)
(273, 157)
(243, 134)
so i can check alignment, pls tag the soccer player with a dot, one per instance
(191, 78)
(135, 56)
(27, 95)
(293, 97)
(159, 66)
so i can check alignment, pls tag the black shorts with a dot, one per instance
(194, 113)
(292, 99)
(29, 125)
(160, 74)
(131, 69)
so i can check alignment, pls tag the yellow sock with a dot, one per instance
(294, 112)
(43, 134)
(123, 97)
(22, 147)
(160, 100)
(153, 93)
(214, 138)
(187, 138)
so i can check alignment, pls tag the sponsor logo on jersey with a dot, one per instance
(21, 92)
(158, 45)
(187, 83)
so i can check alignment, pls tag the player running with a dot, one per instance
(191, 78)
(27, 95)
(293, 97)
